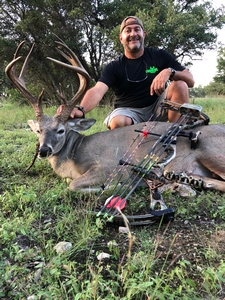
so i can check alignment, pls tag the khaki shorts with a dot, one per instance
(138, 115)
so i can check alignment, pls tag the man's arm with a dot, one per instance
(159, 82)
(91, 99)
(185, 76)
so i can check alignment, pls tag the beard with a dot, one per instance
(133, 48)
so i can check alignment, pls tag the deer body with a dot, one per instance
(89, 160)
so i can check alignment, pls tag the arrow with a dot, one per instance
(115, 202)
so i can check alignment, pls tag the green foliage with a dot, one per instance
(198, 92)
(220, 77)
(213, 107)
(37, 211)
(7, 48)
(90, 29)
(217, 86)
(178, 26)
(214, 89)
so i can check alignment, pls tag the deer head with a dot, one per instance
(52, 131)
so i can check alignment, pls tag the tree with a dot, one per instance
(183, 28)
(215, 89)
(220, 77)
(197, 92)
(91, 27)
(217, 86)
(8, 46)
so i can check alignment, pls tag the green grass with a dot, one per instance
(184, 260)
(213, 107)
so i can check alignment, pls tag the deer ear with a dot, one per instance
(33, 125)
(81, 124)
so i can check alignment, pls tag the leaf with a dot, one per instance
(190, 282)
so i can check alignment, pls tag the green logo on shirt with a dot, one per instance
(152, 70)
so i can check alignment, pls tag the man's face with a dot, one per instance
(132, 38)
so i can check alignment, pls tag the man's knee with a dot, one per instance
(179, 86)
(178, 91)
(120, 121)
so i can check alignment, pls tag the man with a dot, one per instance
(140, 79)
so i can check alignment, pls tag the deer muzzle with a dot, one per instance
(44, 152)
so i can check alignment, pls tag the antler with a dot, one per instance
(76, 66)
(19, 82)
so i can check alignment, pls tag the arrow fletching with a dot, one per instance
(116, 202)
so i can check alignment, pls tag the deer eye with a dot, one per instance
(61, 131)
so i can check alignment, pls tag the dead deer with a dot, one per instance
(89, 160)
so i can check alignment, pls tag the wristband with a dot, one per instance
(172, 73)
(81, 109)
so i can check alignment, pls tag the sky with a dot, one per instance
(205, 69)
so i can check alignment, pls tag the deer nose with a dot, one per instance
(44, 151)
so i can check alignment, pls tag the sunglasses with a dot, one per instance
(136, 81)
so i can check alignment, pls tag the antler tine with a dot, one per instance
(19, 82)
(72, 58)
(76, 66)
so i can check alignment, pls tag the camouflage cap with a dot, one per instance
(135, 20)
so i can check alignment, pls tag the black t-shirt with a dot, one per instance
(130, 79)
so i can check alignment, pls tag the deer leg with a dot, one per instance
(93, 180)
(90, 179)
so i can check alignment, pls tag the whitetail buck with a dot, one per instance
(89, 160)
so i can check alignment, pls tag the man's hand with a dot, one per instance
(75, 113)
(159, 83)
